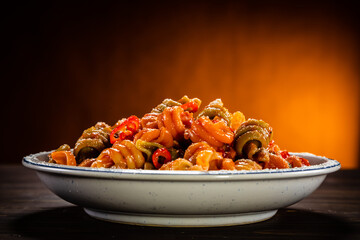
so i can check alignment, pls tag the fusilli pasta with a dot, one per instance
(173, 137)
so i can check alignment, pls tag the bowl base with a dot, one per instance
(164, 220)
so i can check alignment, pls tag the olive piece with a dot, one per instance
(86, 153)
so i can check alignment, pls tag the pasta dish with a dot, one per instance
(176, 135)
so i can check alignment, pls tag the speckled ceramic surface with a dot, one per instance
(182, 198)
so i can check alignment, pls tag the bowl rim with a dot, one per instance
(325, 166)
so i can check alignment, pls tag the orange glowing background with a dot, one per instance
(294, 65)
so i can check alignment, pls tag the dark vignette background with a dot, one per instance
(67, 65)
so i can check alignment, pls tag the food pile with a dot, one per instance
(176, 135)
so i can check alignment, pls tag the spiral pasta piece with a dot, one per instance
(205, 157)
(193, 150)
(247, 164)
(63, 157)
(122, 154)
(87, 162)
(216, 109)
(174, 120)
(186, 99)
(92, 141)
(161, 136)
(296, 161)
(171, 103)
(178, 164)
(222, 164)
(227, 164)
(149, 120)
(215, 134)
(276, 161)
(108, 158)
(165, 104)
(252, 131)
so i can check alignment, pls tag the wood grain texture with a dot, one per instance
(29, 211)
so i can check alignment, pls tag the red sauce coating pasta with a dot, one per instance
(174, 119)
(211, 140)
(161, 136)
(122, 154)
(216, 134)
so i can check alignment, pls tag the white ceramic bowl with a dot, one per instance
(182, 198)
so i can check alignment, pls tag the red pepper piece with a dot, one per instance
(190, 106)
(135, 121)
(285, 154)
(116, 133)
(304, 161)
(125, 130)
(125, 134)
(160, 157)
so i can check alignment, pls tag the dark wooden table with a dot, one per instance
(28, 210)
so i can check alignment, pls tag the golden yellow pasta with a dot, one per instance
(161, 136)
(222, 164)
(205, 157)
(177, 164)
(215, 133)
(247, 164)
(123, 154)
(193, 150)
